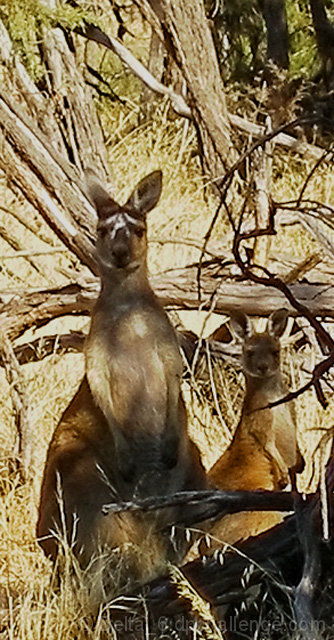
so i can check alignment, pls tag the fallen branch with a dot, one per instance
(49, 345)
(207, 504)
(175, 288)
(37, 309)
(232, 578)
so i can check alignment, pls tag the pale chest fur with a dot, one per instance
(274, 428)
(131, 367)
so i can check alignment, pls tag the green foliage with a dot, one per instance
(303, 49)
(242, 25)
(19, 17)
(241, 38)
(24, 20)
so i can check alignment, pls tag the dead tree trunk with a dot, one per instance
(262, 168)
(324, 32)
(63, 109)
(46, 179)
(188, 40)
(155, 67)
(274, 14)
(175, 288)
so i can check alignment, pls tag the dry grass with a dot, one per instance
(29, 608)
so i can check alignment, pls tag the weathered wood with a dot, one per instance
(74, 107)
(48, 181)
(278, 556)
(318, 220)
(156, 68)
(37, 309)
(283, 139)
(180, 106)
(49, 345)
(178, 288)
(17, 80)
(175, 288)
(18, 394)
(262, 171)
(136, 67)
(189, 40)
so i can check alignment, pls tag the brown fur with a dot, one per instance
(264, 448)
(125, 430)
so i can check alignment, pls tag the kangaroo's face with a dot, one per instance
(261, 355)
(121, 240)
(260, 351)
(121, 230)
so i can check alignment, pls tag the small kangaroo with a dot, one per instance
(264, 450)
(126, 427)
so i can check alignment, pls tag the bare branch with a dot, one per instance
(208, 504)
(253, 273)
(37, 309)
(97, 35)
(30, 254)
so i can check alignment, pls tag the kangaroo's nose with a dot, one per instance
(262, 367)
(121, 254)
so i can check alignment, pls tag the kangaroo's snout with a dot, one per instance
(120, 254)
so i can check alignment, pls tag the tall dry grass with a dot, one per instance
(30, 608)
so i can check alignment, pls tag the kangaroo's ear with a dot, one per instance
(97, 194)
(146, 194)
(277, 322)
(240, 325)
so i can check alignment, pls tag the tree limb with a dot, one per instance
(175, 288)
(208, 504)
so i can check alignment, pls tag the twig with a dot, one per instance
(14, 244)
(49, 345)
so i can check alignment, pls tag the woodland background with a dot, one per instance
(235, 103)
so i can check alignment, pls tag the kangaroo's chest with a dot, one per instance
(274, 425)
(132, 364)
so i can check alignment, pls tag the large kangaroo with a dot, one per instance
(125, 429)
(264, 450)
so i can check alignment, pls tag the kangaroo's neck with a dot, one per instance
(270, 387)
(120, 283)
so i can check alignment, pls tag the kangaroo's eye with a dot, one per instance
(139, 232)
(102, 231)
(250, 352)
